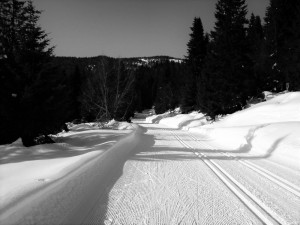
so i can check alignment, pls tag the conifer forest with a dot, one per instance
(223, 70)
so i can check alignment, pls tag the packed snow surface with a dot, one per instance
(27, 171)
(163, 169)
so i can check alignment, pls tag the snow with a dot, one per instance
(151, 61)
(184, 120)
(282, 108)
(24, 171)
(157, 118)
(267, 128)
(170, 168)
(112, 124)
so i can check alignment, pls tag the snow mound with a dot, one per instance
(82, 126)
(144, 114)
(282, 108)
(112, 124)
(157, 118)
(26, 173)
(267, 129)
(184, 120)
(116, 125)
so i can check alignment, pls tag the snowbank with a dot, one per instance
(112, 124)
(144, 114)
(184, 120)
(282, 108)
(56, 172)
(267, 129)
(157, 118)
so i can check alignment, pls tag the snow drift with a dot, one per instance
(266, 129)
(53, 178)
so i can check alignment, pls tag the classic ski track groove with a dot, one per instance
(288, 186)
(263, 212)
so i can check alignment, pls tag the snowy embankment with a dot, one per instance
(267, 129)
(55, 177)
(176, 120)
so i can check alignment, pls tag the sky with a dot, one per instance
(127, 28)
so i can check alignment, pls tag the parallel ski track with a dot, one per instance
(288, 186)
(263, 212)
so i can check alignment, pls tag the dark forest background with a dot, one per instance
(222, 72)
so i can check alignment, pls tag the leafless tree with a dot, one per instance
(108, 92)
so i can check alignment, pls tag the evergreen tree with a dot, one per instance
(32, 90)
(44, 106)
(256, 43)
(145, 87)
(74, 83)
(11, 22)
(165, 98)
(282, 24)
(34, 52)
(227, 70)
(197, 50)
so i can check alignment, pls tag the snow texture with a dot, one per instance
(163, 169)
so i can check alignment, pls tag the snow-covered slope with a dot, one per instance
(282, 108)
(183, 120)
(149, 61)
(270, 128)
(26, 174)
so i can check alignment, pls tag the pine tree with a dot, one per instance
(33, 89)
(165, 98)
(11, 22)
(74, 83)
(282, 24)
(35, 51)
(197, 50)
(256, 43)
(227, 70)
(197, 46)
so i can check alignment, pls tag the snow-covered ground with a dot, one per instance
(28, 173)
(270, 128)
(163, 169)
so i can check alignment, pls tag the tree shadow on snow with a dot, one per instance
(147, 151)
(69, 146)
(111, 173)
(167, 152)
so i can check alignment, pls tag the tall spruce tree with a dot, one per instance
(165, 97)
(197, 50)
(11, 23)
(227, 71)
(255, 36)
(282, 24)
(31, 96)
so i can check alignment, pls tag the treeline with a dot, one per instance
(142, 78)
(39, 92)
(241, 58)
(238, 60)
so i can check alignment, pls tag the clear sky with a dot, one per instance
(127, 28)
